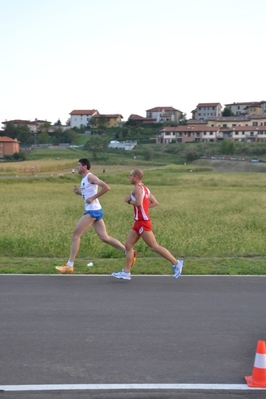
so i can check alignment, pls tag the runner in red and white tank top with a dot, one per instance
(142, 200)
(142, 212)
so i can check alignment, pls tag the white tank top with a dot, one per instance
(89, 190)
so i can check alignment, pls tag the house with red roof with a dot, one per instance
(250, 108)
(164, 114)
(107, 120)
(82, 117)
(8, 146)
(140, 119)
(32, 125)
(205, 110)
(187, 134)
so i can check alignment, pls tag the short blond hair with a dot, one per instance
(138, 173)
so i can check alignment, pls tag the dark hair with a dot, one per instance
(85, 162)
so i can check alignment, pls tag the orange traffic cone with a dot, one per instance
(258, 377)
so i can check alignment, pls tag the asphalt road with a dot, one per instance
(151, 330)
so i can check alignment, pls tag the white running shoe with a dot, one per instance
(177, 268)
(122, 274)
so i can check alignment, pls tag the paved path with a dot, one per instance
(150, 330)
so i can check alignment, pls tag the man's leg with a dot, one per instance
(132, 239)
(100, 229)
(149, 238)
(125, 274)
(83, 224)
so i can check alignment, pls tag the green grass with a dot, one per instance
(215, 221)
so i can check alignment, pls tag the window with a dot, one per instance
(255, 124)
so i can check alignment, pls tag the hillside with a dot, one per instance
(231, 166)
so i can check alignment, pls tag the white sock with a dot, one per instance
(70, 264)
(177, 262)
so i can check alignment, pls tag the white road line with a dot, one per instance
(110, 387)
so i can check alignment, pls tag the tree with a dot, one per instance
(10, 130)
(183, 119)
(58, 123)
(228, 147)
(43, 138)
(24, 134)
(148, 154)
(191, 154)
(102, 120)
(227, 112)
(96, 144)
(70, 136)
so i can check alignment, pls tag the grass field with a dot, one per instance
(215, 221)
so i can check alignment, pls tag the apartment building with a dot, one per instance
(232, 121)
(203, 111)
(207, 133)
(187, 134)
(32, 125)
(243, 133)
(250, 108)
(163, 114)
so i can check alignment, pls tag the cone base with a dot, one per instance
(255, 384)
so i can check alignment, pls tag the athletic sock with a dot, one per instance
(70, 264)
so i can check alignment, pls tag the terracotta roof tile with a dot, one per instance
(208, 104)
(5, 139)
(18, 122)
(139, 118)
(84, 112)
(160, 109)
(246, 103)
(134, 117)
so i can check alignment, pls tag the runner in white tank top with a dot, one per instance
(89, 190)
(93, 215)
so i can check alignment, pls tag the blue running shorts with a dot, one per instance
(97, 214)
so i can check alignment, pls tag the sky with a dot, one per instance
(127, 56)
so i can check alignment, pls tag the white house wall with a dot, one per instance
(78, 120)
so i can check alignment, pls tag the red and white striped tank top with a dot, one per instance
(142, 212)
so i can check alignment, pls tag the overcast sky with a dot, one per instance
(126, 56)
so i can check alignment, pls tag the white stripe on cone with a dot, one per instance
(260, 361)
